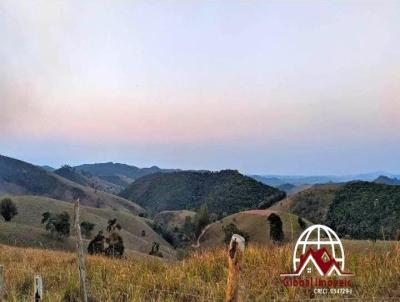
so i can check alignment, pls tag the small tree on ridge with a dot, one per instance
(275, 228)
(8, 209)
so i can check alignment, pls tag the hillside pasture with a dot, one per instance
(200, 277)
(26, 228)
(254, 223)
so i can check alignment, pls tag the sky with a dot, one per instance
(265, 87)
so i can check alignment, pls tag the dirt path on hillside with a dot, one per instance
(259, 212)
(197, 244)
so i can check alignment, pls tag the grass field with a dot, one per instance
(200, 277)
(253, 222)
(26, 229)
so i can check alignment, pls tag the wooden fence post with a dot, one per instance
(2, 284)
(235, 257)
(79, 250)
(38, 288)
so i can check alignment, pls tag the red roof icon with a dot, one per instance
(323, 262)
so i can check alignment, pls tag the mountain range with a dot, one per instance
(119, 174)
(278, 180)
(20, 178)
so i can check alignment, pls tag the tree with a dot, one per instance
(189, 228)
(155, 250)
(87, 228)
(8, 209)
(57, 223)
(202, 218)
(275, 230)
(302, 223)
(231, 229)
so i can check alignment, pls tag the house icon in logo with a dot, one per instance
(319, 250)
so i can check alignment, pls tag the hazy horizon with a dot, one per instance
(277, 87)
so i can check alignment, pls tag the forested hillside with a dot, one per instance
(86, 179)
(365, 210)
(225, 192)
(361, 210)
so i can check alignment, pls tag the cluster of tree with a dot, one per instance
(8, 209)
(155, 250)
(231, 229)
(114, 240)
(225, 192)
(191, 229)
(57, 224)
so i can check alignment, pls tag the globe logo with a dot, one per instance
(318, 236)
(318, 249)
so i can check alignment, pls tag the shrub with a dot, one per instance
(231, 229)
(87, 228)
(275, 230)
(57, 223)
(302, 223)
(8, 209)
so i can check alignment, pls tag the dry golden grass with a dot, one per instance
(201, 277)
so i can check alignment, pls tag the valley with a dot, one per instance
(190, 216)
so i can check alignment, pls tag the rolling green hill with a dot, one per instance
(255, 224)
(225, 192)
(365, 210)
(361, 210)
(312, 203)
(26, 228)
(18, 177)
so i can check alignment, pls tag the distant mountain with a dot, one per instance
(72, 175)
(86, 179)
(278, 180)
(359, 209)
(117, 173)
(18, 177)
(225, 192)
(48, 168)
(269, 180)
(286, 187)
(387, 181)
